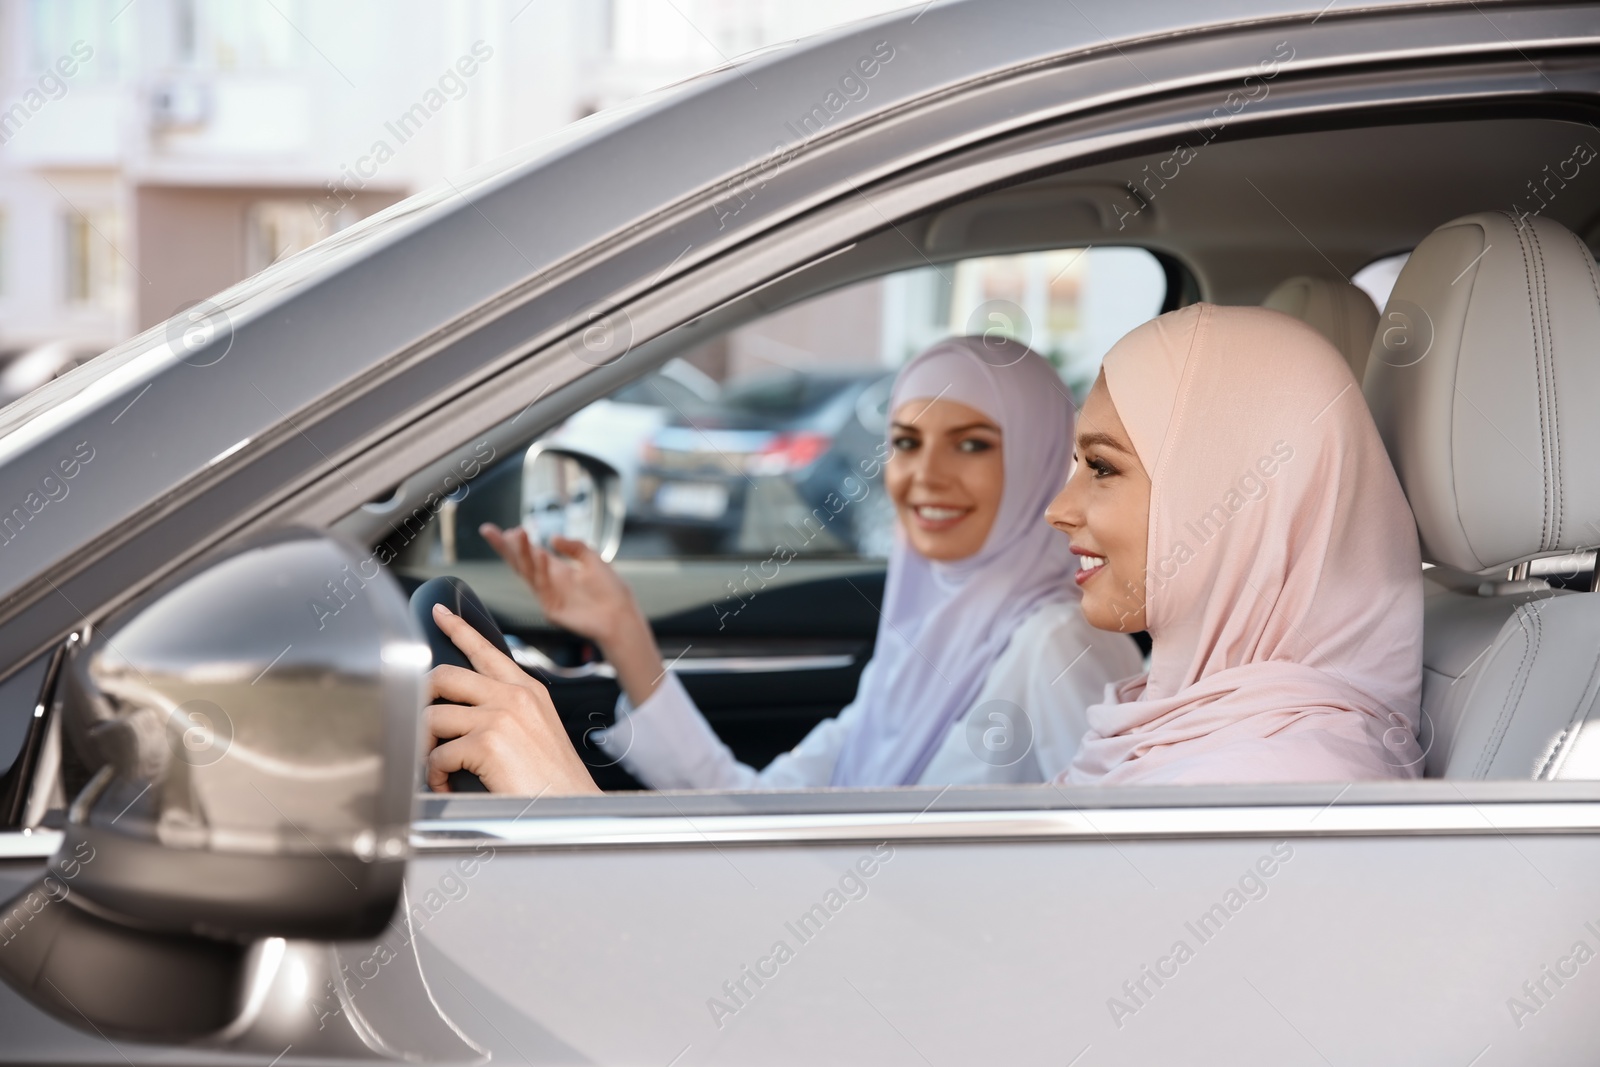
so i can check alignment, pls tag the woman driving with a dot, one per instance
(1233, 498)
(980, 638)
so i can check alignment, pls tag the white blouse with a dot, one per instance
(1025, 725)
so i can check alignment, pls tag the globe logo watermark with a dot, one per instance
(201, 334)
(1405, 336)
(1005, 329)
(1402, 746)
(999, 733)
(606, 746)
(603, 340)
(199, 732)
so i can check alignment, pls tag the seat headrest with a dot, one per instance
(1484, 380)
(1337, 310)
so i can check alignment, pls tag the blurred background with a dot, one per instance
(154, 152)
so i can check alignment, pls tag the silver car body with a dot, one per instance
(1368, 924)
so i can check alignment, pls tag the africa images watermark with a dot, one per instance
(51, 85)
(343, 589)
(739, 991)
(1187, 151)
(1140, 990)
(452, 887)
(52, 888)
(1583, 153)
(52, 489)
(1252, 485)
(1540, 990)
(852, 88)
(815, 523)
(354, 177)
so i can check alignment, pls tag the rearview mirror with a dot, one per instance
(571, 494)
(253, 730)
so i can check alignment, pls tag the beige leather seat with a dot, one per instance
(1485, 384)
(1337, 310)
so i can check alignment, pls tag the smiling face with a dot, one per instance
(945, 476)
(1105, 510)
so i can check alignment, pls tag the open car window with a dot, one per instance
(737, 415)
(731, 446)
(756, 527)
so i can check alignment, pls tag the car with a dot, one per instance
(210, 690)
(786, 443)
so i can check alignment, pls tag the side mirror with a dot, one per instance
(571, 494)
(254, 732)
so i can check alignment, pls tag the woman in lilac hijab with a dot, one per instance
(983, 665)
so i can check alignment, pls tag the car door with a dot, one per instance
(1347, 923)
(1362, 923)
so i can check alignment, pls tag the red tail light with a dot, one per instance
(790, 452)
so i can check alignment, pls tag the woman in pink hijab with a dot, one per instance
(1232, 498)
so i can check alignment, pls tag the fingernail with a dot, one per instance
(440, 609)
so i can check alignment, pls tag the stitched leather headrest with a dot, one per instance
(1337, 310)
(1484, 380)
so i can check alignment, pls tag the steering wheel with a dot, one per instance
(458, 596)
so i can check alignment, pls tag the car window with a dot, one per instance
(1377, 278)
(741, 443)
(755, 526)
(767, 434)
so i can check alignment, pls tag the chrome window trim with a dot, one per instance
(530, 658)
(1124, 824)
(432, 836)
(762, 664)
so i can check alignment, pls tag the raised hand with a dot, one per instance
(577, 590)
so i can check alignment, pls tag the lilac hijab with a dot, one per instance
(944, 625)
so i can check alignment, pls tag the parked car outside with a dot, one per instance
(770, 462)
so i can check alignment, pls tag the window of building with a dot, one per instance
(228, 36)
(84, 32)
(90, 258)
(275, 229)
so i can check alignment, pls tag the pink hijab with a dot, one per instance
(1283, 579)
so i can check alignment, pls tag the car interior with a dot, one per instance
(1482, 400)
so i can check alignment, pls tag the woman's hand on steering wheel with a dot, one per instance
(581, 592)
(500, 724)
